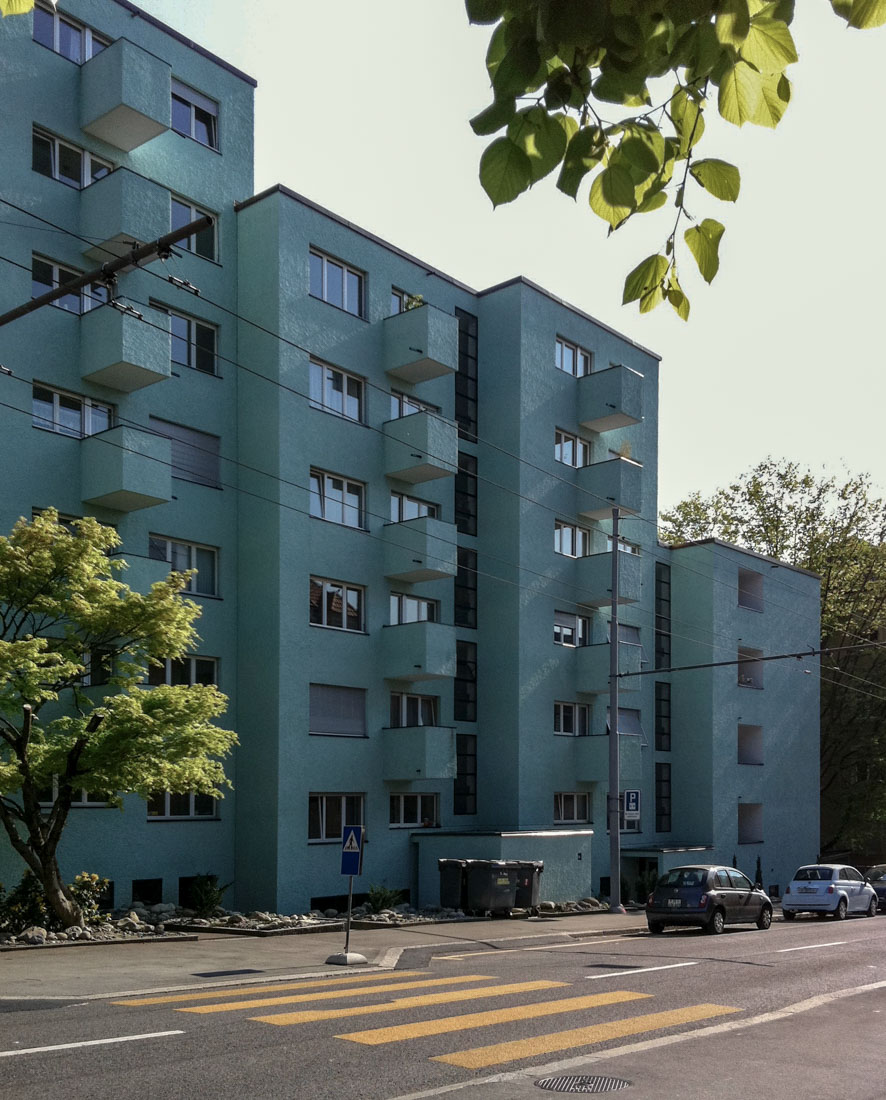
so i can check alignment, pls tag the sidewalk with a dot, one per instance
(92, 971)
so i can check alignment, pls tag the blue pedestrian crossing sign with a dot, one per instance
(352, 850)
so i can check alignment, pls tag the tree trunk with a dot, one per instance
(58, 896)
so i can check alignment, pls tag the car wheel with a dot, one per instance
(656, 927)
(842, 910)
(765, 918)
(872, 908)
(788, 914)
(717, 923)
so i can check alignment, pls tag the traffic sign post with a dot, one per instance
(351, 864)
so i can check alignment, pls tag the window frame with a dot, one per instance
(431, 508)
(421, 804)
(191, 815)
(575, 715)
(82, 799)
(322, 374)
(403, 404)
(192, 548)
(325, 259)
(195, 101)
(400, 604)
(190, 661)
(87, 404)
(322, 798)
(195, 455)
(190, 243)
(86, 158)
(400, 702)
(190, 340)
(576, 818)
(326, 584)
(579, 355)
(579, 537)
(319, 499)
(581, 448)
(89, 40)
(580, 626)
(88, 297)
(464, 787)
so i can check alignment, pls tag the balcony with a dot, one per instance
(593, 575)
(420, 344)
(602, 486)
(420, 447)
(141, 572)
(120, 212)
(121, 352)
(421, 549)
(611, 398)
(125, 96)
(418, 651)
(591, 760)
(418, 752)
(125, 469)
(592, 667)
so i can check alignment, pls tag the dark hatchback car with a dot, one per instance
(876, 876)
(707, 896)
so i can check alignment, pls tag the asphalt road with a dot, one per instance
(681, 1015)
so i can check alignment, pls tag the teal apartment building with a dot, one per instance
(397, 492)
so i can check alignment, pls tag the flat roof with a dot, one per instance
(742, 550)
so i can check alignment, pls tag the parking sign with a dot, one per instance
(631, 805)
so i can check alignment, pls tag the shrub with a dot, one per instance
(206, 894)
(25, 905)
(88, 890)
(380, 897)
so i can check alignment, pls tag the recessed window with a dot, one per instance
(662, 798)
(202, 243)
(336, 391)
(192, 343)
(337, 499)
(465, 589)
(629, 722)
(571, 450)
(405, 507)
(99, 666)
(571, 359)
(328, 814)
(180, 807)
(750, 668)
(466, 378)
(466, 494)
(336, 283)
(401, 301)
(413, 710)
(750, 589)
(47, 275)
(571, 808)
(195, 455)
(662, 717)
(624, 547)
(750, 744)
(570, 540)
(66, 36)
(67, 163)
(184, 556)
(67, 413)
(464, 687)
(750, 822)
(337, 711)
(404, 405)
(662, 615)
(184, 672)
(412, 609)
(79, 796)
(411, 810)
(464, 794)
(572, 719)
(194, 115)
(336, 604)
(571, 629)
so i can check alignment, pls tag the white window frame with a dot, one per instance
(87, 297)
(324, 506)
(91, 42)
(572, 719)
(581, 449)
(323, 799)
(194, 349)
(87, 405)
(580, 625)
(403, 404)
(323, 391)
(401, 502)
(403, 701)
(196, 241)
(582, 359)
(568, 807)
(195, 101)
(190, 666)
(426, 810)
(413, 609)
(624, 546)
(89, 162)
(190, 550)
(345, 591)
(356, 309)
(571, 540)
(81, 798)
(192, 815)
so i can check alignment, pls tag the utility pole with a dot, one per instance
(613, 801)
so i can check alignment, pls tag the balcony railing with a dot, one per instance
(611, 398)
(421, 549)
(120, 212)
(602, 486)
(418, 651)
(418, 752)
(125, 95)
(125, 469)
(420, 344)
(121, 352)
(420, 447)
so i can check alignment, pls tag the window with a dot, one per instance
(66, 36)
(99, 662)
(166, 805)
(336, 605)
(410, 810)
(571, 630)
(662, 717)
(401, 301)
(629, 722)
(193, 342)
(662, 615)
(571, 808)
(404, 507)
(404, 405)
(464, 688)
(59, 160)
(413, 710)
(79, 796)
(570, 540)
(47, 275)
(572, 359)
(750, 823)
(336, 391)
(662, 798)
(329, 813)
(464, 792)
(412, 609)
(627, 635)
(572, 719)
(193, 115)
(202, 243)
(67, 414)
(750, 670)
(195, 455)
(188, 555)
(337, 499)
(336, 283)
(750, 744)
(184, 671)
(624, 547)
(570, 449)
(750, 589)
(338, 711)
(466, 376)
(466, 494)
(466, 589)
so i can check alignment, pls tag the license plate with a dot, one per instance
(675, 903)
(808, 890)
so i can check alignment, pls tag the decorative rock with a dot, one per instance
(547, 906)
(330, 913)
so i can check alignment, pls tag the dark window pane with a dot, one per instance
(181, 116)
(205, 128)
(41, 155)
(41, 278)
(180, 216)
(334, 285)
(70, 41)
(204, 241)
(316, 276)
(157, 805)
(204, 805)
(204, 358)
(44, 28)
(179, 805)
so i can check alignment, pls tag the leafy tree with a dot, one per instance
(836, 528)
(74, 645)
(563, 71)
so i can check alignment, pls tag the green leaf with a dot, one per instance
(688, 120)
(654, 298)
(741, 90)
(493, 117)
(732, 23)
(776, 95)
(485, 11)
(505, 171)
(704, 244)
(517, 70)
(612, 195)
(622, 88)
(652, 201)
(675, 295)
(641, 155)
(645, 277)
(867, 13)
(843, 8)
(542, 137)
(722, 180)
(584, 152)
(769, 46)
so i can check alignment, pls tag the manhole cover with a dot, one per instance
(583, 1083)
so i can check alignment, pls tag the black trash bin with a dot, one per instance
(491, 885)
(452, 883)
(528, 883)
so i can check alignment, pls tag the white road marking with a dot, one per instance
(640, 970)
(89, 1043)
(543, 947)
(811, 947)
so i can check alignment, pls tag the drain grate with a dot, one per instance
(584, 1083)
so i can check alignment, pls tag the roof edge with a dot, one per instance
(744, 550)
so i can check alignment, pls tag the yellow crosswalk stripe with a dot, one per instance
(420, 1029)
(284, 1019)
(330, 994)
(276, 987)
(483, 1057)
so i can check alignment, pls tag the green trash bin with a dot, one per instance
(452, 883)
(528, 883)
(491, 885)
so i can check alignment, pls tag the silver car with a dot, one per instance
(825, 888)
